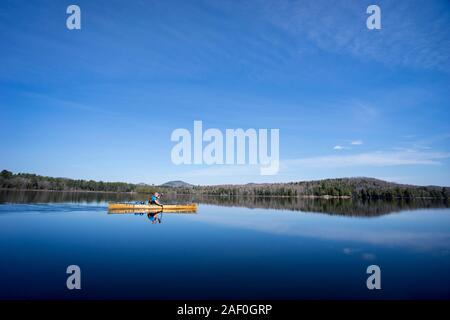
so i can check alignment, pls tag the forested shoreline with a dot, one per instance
(357, 188)
(28, 181)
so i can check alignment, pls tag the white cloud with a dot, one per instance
(338, 147)
(356, 142)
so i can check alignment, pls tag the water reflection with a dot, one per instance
(153, 217)
(421, 229)
(11, 196)
(225, 251)
(342, 207)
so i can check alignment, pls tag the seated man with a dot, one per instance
(155, 199)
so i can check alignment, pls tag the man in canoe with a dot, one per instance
(155, 199)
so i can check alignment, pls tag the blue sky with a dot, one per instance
(101, 102)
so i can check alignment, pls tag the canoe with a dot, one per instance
(142, 211)
(188, 207)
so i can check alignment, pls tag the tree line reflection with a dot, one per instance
(344, 207)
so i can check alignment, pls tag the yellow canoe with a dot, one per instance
(130, 207)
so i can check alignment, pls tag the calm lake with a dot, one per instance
(231, 248)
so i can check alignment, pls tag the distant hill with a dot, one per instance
(177, 184)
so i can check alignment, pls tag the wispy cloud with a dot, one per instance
(55, 102)
(379, 158)
(405, 38)
(294, 166)
(352, 143)
(419, 142)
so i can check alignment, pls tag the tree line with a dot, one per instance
(27, 181)
(358, 188)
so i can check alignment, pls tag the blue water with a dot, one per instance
(221, 252)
